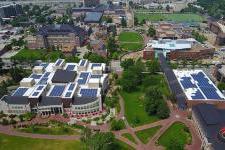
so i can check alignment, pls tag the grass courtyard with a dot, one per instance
(145, 135)
(37, 54)
(21, 143)
(177, 132)
(177, 17)
(134, 103)
(129, 137)
(130, 41)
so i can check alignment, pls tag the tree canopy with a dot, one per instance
(151, 31)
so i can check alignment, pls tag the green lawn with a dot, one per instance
(134, 106)
(175, 132)
(130, 37)
(145, 135)
(32, 55)
(131, 46)
(187, 17)
(123, 146)
(21, 143)
(134, 109)
(129, 137)
(130, 41)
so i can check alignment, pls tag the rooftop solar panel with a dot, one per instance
(68, 94)
(70, 67)
(43, 81)
(57, 90)
(186, 82)
(96, 76)
(45, 65)
(88, 92)
(40, 87)
(20, 91)
(95, 65)
(197, 95)
(83, 78)
(46, 74)
(82, 62)
(59, 61)
(35, 93)
(71, 87)
(35, 76)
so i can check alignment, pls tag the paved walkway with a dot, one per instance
(175, 115)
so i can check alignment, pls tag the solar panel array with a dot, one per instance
(82, 62)
(45, 65)
(20, 92)
(43, 80)
(36, 76)
(202, 87)
(96, 65)
(57, 90)
(89, 92)
(58, 62)
(208, 89)
(70, 67)
(83, 78)
(70, 90)
(96, 76)
(46, 74)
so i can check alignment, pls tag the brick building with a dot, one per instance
(188, 49)
(64, 37)
(219, 29)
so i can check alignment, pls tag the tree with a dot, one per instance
(93, 57)
(127, 63)
(153, 66)
(123, 22)
(111, 45)
(135, 21)
(99, 140)
(163, 110)
(117, 125)
(17, 74)
(154, 103)
(199, 37)
(167, 8)
(221, 86)
(151, 31)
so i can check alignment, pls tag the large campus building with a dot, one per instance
(62, 36)
(12, 10)
(188, 49)
(60, 87)
(209, 122)
(219, 29)
(198, 88)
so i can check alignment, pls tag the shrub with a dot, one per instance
(5, 122)
(117, 125)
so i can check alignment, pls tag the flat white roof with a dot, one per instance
(168, 44)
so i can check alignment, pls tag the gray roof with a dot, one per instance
(64, 76)
(47, 101)
(92, 17)
(61, 29)
(17, 100)
(173, 83)
(83, 100)
(211, 120)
